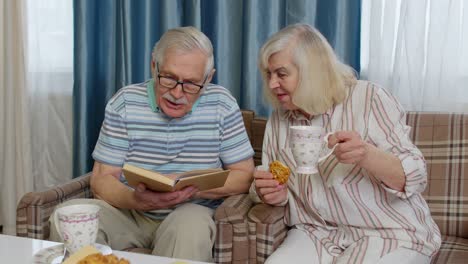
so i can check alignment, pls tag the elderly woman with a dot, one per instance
(373, 211)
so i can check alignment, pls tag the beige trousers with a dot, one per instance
(188, 232)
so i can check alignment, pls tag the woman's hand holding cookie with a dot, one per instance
(269, 189)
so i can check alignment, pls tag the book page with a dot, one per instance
(153, 180)
(211, 180)
(196, 172)
(202, 179)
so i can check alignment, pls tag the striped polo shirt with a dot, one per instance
(136, 131)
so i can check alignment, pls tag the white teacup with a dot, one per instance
(77, 225)
(307, 146)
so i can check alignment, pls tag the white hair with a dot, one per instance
(323, 79)
(184, 39)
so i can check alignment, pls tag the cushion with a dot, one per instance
(443, 140)
(454, 250)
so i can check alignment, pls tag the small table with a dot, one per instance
(22, 250)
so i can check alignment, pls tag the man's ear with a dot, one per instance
(153, 68)
(210, 75)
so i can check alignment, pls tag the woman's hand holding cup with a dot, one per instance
(351, 148)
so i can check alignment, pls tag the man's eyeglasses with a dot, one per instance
(171, 83)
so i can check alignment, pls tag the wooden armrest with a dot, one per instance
(34, 208)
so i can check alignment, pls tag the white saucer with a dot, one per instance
(54, 254)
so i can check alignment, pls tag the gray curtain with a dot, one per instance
(114, 39)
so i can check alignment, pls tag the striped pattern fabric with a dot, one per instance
(267, 231)
(210, 136)
(135, 131)
(231, 245)
(34, 209)
(454, 250)
(232, 242)
(442, 138)
(357, 205)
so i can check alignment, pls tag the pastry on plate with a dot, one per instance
(90, 255)
(99, 258)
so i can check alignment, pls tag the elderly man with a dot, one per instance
(175, 122)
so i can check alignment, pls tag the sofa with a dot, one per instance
(34, 209)
(248, 233)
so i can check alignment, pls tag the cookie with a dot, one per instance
(280, 171)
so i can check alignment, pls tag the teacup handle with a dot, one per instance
(57, 226)
(331, 151)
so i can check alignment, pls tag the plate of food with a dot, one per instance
(54, 254)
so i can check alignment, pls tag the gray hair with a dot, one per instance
(323, 79)
(184, 39)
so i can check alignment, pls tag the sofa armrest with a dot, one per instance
(232, 230)
(34, 208)
(267, 230)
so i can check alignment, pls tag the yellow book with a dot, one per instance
(202, 179)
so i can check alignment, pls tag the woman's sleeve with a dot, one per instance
(389, 132)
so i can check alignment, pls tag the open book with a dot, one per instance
(202, 179)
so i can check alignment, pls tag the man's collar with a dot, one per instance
(152, 96)
(153, 102)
